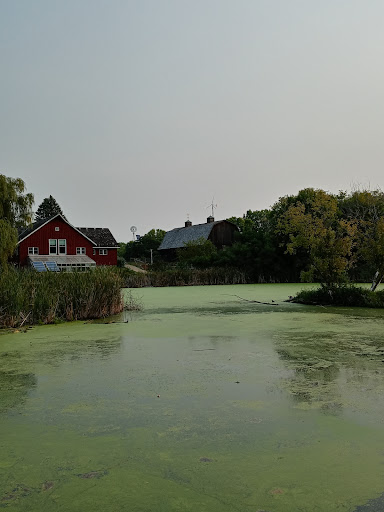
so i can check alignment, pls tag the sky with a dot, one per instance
(141, 112)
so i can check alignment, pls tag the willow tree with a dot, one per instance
(328, 239)
(15, 212)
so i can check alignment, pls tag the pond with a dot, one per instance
(202, 402)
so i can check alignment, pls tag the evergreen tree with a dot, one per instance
(48, 208)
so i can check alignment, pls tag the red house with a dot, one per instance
(55, 244)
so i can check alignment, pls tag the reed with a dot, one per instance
(28, 297)
(187, 277)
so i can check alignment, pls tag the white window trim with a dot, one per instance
(57, 247)
(33, 250)
(65, 245)
(81, 250)
(103, 252)
(49, 246)
(57, 228)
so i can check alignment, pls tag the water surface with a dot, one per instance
(201, 402)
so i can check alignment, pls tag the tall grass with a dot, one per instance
(186, 277)
(28, 297)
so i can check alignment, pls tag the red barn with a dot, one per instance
(57, 245)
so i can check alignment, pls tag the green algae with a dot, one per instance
(200, 402)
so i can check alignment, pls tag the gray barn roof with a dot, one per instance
(178, 237)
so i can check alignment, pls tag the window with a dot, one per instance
(62, 246)
(33, 250)
(57, 228)
(57, 246)
(80, 250)
(94, 251)
(52, 246)
(103, 252)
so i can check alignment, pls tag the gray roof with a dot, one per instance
(102, 237)
(178, 237)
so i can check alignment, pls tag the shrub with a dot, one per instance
(347, 295)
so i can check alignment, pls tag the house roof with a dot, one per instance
(24, 232)
(100, 237)
(178, 237)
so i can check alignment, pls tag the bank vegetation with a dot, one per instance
(28, 297)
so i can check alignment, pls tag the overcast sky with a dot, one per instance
(139, 112)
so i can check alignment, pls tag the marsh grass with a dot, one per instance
(186, 277)
(28, 297)
(348, 295)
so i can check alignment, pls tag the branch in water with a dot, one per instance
(254, 301)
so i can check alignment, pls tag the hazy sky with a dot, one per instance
(139, 112)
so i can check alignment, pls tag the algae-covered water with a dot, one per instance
(202, 402)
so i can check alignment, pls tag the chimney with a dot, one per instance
(188, 223)
(210, 219)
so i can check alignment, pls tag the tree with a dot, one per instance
(47, 209)
(15, 212)
(366, 208)
(328, 239)
(258, 249)
(142, 248)
(197, 252)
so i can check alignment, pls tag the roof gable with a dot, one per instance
(39, 224)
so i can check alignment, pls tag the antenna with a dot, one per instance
(133, 231)
(213, 206)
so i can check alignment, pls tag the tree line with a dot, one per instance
(312, 236)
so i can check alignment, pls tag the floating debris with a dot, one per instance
(20, 491)
(92, 474)
(47, 486)
(277, 491)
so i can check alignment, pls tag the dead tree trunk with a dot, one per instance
(376, 281)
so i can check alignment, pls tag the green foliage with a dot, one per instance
(197, 253)
(142, 248)
(186, 277)
(48, 208)
(366, 208)
(15, 211)
(8, 242)
(29, 297)
(121, 250)
(316, 227)
(258, 250)
(352, 296)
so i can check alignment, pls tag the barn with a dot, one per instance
(54, 244)
(221, 233)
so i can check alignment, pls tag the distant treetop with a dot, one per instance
(48, 208)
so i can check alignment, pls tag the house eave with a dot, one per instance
(51, 219)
